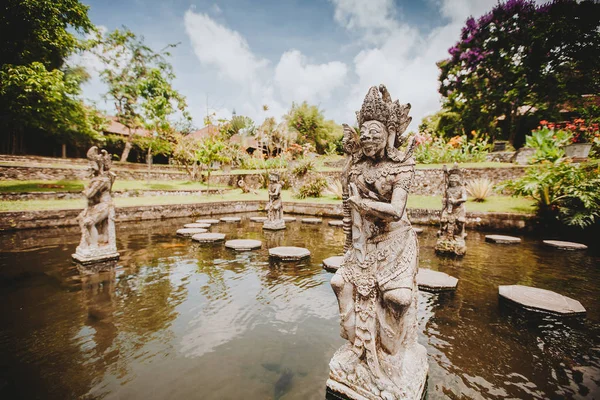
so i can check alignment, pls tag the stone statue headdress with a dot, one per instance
(455, 171)
(378, 106)
(101, 159)
(273, 176)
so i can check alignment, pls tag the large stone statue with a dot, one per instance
(451, 236)
(97, 220)
(275, 206)
(376, 283)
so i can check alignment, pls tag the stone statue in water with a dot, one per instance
(376, 283)
(275, 206)
(451, 236)
(97, 220)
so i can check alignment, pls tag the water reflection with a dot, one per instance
(175, 319)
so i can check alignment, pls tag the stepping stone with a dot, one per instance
(336, 222)
(197, 225)
(417, 230)
(258, 219)
(312, 220)
(231, 219)
(332, 264)
(435, 281)
(289, 219)
(190, 231)
(208, 237)
(559, 244)
(208, 221)
(502, 239)
(541, 300)
(289, 253)
(243, 244)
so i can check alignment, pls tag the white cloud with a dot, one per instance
(405, 58)
(375, 18)
(218, 46)
(300, 81)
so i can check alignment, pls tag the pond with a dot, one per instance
(177, 320)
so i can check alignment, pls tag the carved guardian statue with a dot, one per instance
(451, 236)
(97, 220)
(376, 282)
(275, 206)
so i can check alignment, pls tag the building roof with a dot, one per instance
(208, 130)
(117, 128)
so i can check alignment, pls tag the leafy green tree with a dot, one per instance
(519, 58)
(310, 124)
(39, 93)
(209, 151)
(140, 85)
(237, 124)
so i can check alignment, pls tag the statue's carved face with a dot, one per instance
(454, 181)
(373, 138)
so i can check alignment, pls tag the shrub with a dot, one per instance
(480, 189)
(313, 187)
(303, 168)
(563, 191)
(253, 162)
(435, 150)
(548, 144)
(334, 188)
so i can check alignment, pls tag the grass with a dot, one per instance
(13, 186)
(492, 204)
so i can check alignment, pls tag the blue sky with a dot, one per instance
(241, 54)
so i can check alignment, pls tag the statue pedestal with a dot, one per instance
(410, 380)
(456, 247)
(92, 256)
(276, 225)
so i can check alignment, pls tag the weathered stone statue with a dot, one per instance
(275, 206)
(97, 220)
(451, 236)
(376, 283)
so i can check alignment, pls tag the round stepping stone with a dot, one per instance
(190, 231)
(197, 225)
(231, 219)
(258, 219)
(559, 244)
(435, 281)
(541, 300)
(312, 220)
(243, 244)
(336, 222)
(208, 221)
(208, 237)
(289, 253)
(418, 230)
(289, 219)
(502, 239)
(332, 264)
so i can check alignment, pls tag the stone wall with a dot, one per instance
(115, 193)
(45, 173)
(61, 218)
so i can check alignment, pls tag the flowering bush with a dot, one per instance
(579, 130)
(434, 150)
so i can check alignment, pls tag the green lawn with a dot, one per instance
(77, 186)
(495, 203)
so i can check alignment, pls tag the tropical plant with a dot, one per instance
(548, 144)
(334, 189)
(434, 150)
(522, 57)
(480, 189)
(312, 127)
(139, 82)
(312, 187)
(563, 191)
(209, 151)
(304, 167)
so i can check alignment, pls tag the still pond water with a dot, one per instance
(176, 320)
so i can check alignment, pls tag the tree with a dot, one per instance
(209, 151)
(237, 124)
(310, 124)
(39, 93)
(139, 84)
(184, 154)
(519, 58)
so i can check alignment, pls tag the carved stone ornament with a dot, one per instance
(97, 220)
(451, 236)
(376, 283)
(275, 206)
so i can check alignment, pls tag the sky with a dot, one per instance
(243, 54)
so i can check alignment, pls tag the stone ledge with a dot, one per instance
(60, 218)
